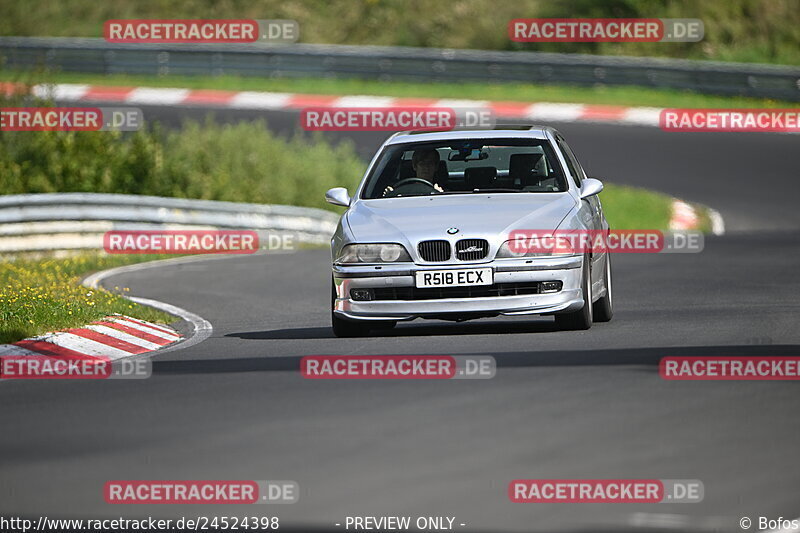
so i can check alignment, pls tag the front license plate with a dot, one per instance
(454, 278)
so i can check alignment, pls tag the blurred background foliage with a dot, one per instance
(242, 162)
(735, 30)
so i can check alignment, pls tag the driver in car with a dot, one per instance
(425, 164)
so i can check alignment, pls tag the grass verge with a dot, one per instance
(41, 295)
(516, 92)
(634, 208)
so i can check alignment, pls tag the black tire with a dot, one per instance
(604, 307)
(582, 318)
(342, 327)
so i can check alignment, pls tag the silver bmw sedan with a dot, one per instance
(441, 227)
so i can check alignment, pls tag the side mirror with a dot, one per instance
(338, 196)
(590, 187)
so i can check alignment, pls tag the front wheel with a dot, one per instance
(582, 318)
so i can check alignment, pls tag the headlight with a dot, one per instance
(373, 253)
(539, 246)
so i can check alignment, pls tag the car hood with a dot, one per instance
(475, 215)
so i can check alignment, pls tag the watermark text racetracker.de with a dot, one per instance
(186, 242)
(396, 118)
(733, 368)
(568, 242)
(398, 367)
(200, 492)
(605, 30)
(730, 120)
(196, 523)
(606, 491)
(208, 31)
(71, 118)
(89, 367)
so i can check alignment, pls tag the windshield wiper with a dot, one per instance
(497, 189)
(478, 191)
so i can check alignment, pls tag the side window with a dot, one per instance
(572, 161)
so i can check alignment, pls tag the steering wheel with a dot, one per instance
(408, 181)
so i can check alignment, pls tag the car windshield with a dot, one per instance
(465, 166)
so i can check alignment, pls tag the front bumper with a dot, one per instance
(565, 269)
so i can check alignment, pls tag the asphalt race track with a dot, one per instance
(569, 405)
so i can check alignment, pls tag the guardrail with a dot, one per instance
(399, 63)
(73, 221)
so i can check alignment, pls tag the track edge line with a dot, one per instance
(201, 328)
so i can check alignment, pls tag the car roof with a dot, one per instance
(499, 132)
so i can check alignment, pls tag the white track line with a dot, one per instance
(202, 328)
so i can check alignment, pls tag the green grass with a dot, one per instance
(634, 208)
(42, 295)
(516, 92)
